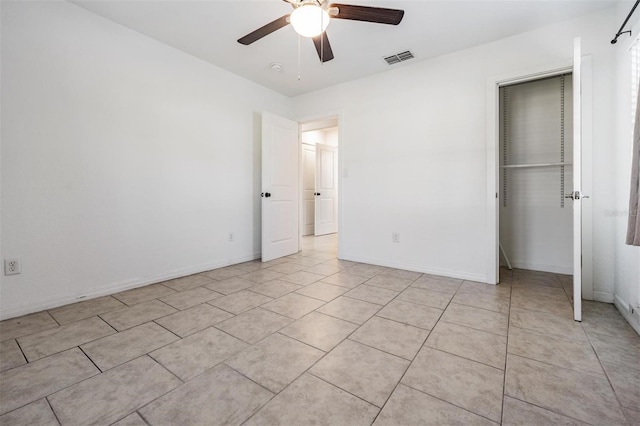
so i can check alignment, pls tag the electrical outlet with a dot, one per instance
(12, 266)
(395, 237)
(232, 237)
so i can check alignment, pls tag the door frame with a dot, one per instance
(318, 117)
(493, 173)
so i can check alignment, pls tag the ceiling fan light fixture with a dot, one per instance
(309, 20)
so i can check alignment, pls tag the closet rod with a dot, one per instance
(620, 32)
(521, 166)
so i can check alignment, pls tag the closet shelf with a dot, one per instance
(521, 166)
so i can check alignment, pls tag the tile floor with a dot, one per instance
(310, 339)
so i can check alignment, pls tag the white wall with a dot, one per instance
(124, 161)
(627, 258)
(413, 144)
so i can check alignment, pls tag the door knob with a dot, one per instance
(576, 195)
(267, 194)
(316, 193)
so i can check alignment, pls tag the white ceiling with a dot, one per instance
(208, 29)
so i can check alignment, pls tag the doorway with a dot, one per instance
(536, 171)
(319, 165)
(581, 70)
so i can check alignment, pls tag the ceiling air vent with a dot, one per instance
(399, 57)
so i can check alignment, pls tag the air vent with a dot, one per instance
(399, 57)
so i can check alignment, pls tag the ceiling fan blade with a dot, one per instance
(378, 15)
(265, 30)
(325, 53)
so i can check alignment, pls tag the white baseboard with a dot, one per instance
(623, 308)
(418, 268)
(603, 296)
(554, 269)
(78, 296)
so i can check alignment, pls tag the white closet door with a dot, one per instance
(308, 189)
(326, 189)
(577, 195)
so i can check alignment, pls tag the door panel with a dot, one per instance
(308, 188)
(280, 188)
(577, 181)
(326, 189)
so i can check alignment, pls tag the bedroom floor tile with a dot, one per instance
(390, 336)
(311, 339)
(220, 396)
(254, 325)
(27, 383)
(56, 340)
(275, 362)
(363, 371)
(86, 309)
(320, 331)
(411, 313)
(573, 394)
(311, 401)
(194, 319)
(108, 397)
(190, 298)
(10, 355)
(186, 358)
(476, 345)
(408, 406)
(119, 348)
(348, 309)
(468, 384)
(37, 413)
(137, 314)
(480, 319)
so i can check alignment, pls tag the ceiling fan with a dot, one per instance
(311, 17)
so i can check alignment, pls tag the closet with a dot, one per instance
(536, 221)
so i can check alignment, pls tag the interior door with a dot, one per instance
(308, 189)
(326, 189)
(577, 195)
(280, 187)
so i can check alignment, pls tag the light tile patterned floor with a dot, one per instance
(310, 339)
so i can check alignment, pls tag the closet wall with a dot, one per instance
(535, 134)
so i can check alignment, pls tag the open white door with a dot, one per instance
(326, 189)
(308, 189)
(280, 190)
(577, 195)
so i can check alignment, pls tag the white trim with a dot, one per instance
(554, 269)
(492, 210)
(624, 310)
(603, 296)
(79, 296)
(418, 268)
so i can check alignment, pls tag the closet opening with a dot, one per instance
(535, 175)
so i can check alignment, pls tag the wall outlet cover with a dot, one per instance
(12, 266)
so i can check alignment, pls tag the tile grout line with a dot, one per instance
(414, 357)
(55, 415)
(613, 389)
(506, 353)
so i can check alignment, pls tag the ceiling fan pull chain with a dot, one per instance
(321, 41)
(299, 66)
